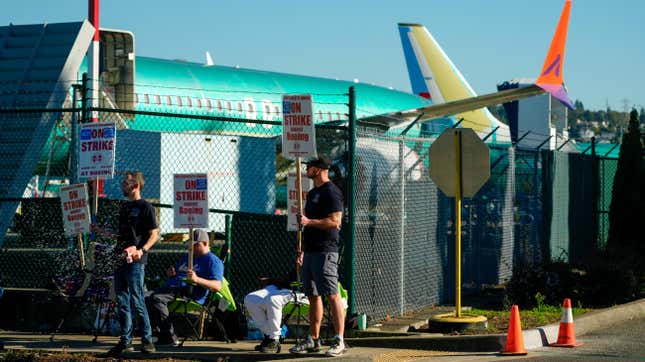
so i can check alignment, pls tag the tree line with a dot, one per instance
(580, 119)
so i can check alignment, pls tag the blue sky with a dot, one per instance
(489, 41)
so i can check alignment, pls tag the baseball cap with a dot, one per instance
(200, 235)
(321, 162)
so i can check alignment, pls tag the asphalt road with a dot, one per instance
(623, 342)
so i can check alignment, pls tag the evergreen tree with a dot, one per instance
(587, 116)
(576, 113)
(578, 106)
(627, 210)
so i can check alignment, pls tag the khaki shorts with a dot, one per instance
(320, 273)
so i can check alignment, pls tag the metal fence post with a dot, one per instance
(94, 207)
(535, 206)
(402, 231)
(228, 237)
(73, 174)
(351, 201)
(84, 92)
(595, 193)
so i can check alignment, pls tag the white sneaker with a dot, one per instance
(338, 348)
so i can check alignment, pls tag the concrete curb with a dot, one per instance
(480, 343)
(542, 336)
(243, 350)
(533, 338)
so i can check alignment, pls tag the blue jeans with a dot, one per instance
(128, 285)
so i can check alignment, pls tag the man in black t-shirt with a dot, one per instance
(138, 232)
(319, 259)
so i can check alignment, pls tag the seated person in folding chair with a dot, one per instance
(265, 308)
(206, 276)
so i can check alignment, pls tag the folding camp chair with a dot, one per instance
(298, 307)
(197, 315)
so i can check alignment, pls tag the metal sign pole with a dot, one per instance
(96, 197)
(300, 210)
(459, 165)
(80, 249)
(191, 241)
(458, 184)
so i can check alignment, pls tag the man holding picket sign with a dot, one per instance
(197, 283)
(199, 272)
(319, 223)
(191, 205)
(298, 141)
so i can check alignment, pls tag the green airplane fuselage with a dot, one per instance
(249, 94)
(180, 87)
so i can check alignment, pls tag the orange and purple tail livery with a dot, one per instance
(551, 78)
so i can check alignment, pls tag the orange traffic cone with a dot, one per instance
(514, 338)
(566, 334)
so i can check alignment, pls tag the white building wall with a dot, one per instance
(543, 116)
(534, 116)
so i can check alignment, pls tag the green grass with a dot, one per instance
(540, 315)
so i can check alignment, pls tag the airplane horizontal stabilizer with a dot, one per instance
(401, 119)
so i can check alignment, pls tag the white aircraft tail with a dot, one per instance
(209, 59)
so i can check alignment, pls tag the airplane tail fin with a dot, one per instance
(209, 59)
(432, 73)
(434, 76)
(551, 77)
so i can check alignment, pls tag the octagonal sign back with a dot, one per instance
(475, 162)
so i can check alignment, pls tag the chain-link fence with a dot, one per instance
(405, 231)
(385, 168)
(537, 205)
(528, 204)
(247, 183)
(607, 170)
